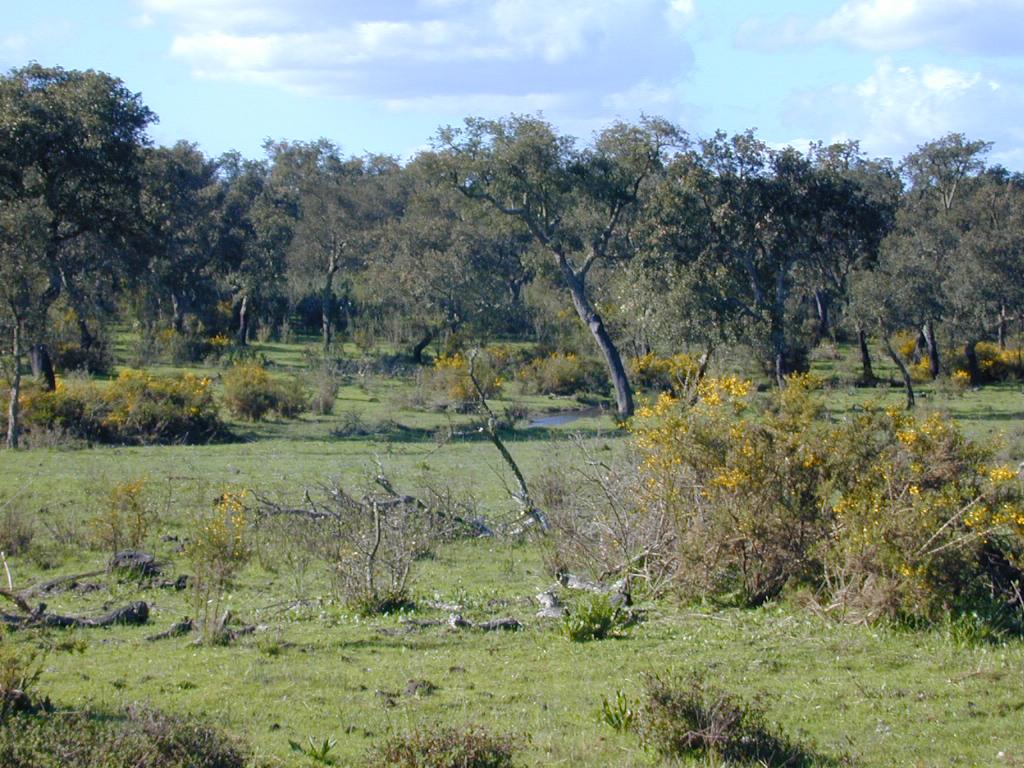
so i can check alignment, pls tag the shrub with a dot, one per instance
(692, 719)
(882, 515)
(250, 393)
(135, 408)
(451, 386)
(218, 547)
(563, 374)
(20, 669)
(72, 357)
(663, 373)
(994, 364)
(17, 529)
(126, 517)
(467, 747)
(325, 391)
(135, 737)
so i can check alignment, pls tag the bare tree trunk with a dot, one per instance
(326, 302)
(821, 304)
(867, 372)
(928, 331)
(242, 337)
(177, 313)
(42, 366)
(972, 361)
(419, 346)
(592, 320)
(1002, 329)
(12, 405)
(907, 383)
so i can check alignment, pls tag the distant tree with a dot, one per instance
(578, 204)
(69, 159)
(339, 204)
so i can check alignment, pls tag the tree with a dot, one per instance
(69, 158)
(578, 204)
(338, 204)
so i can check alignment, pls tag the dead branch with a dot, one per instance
(132, 614)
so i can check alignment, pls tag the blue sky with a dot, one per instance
(382, 76)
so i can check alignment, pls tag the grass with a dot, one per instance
(879, 695)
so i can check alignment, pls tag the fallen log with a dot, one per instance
(132, 614)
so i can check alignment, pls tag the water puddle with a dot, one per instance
(563, 417)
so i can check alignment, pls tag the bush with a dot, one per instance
(250, 393)
(133, 738)
(71, 357)
(882, 515)
(126, 517)
(663, 374)
(135, 408)
(468, 747)
(17, 529)
(449, 383)
(325, 391)
(692, 719)
(563, 374)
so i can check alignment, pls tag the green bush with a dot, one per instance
(251, 393)
(468, 747)
(136, 737)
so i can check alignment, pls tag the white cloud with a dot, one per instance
(494, 51)
(896, 108)
(986, 27)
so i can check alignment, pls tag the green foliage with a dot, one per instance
(21, 666)
(446, 747)
(620, 712)
(136, 408)
(251, 393)
(593, 618)
(319, 753)
(449, 384)
(102, 740)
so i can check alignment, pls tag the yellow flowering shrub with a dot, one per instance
(136, 408)
(881, 514)
(651, 371)
(563, 373)
(251, 393)
(449, 379)
(126, 516)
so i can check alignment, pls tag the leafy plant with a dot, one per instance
(317, 752)
(593, 618)
(466, 747)
(620, 712)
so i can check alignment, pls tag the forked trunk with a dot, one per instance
(419, 346)
(42, 366)
(907, 383)
(972, 361)
(242, 337)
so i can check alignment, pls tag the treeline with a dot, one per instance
(644, 240)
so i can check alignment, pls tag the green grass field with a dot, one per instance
(875, 696)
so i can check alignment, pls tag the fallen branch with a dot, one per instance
(132, 614)
(455, 621)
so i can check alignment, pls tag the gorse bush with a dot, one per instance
(125, 518)
(665, 374)
(880, 515)
(251, 393)
(563, 374)
(135, 408)
(450, 385)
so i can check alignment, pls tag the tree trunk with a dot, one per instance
(867, 374)
(42, 366)
(1002, 328)
(933, 348)
(242, 337)
(821, 305)
(972, 362)
(419, 346)
(12, 405)
(907, 383)
(778, 341)
(592, 320)
(326, 302)
(177, 313)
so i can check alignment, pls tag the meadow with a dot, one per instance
(316, 672)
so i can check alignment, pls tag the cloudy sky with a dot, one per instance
(382, 76)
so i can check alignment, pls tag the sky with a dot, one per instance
(383, 76)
